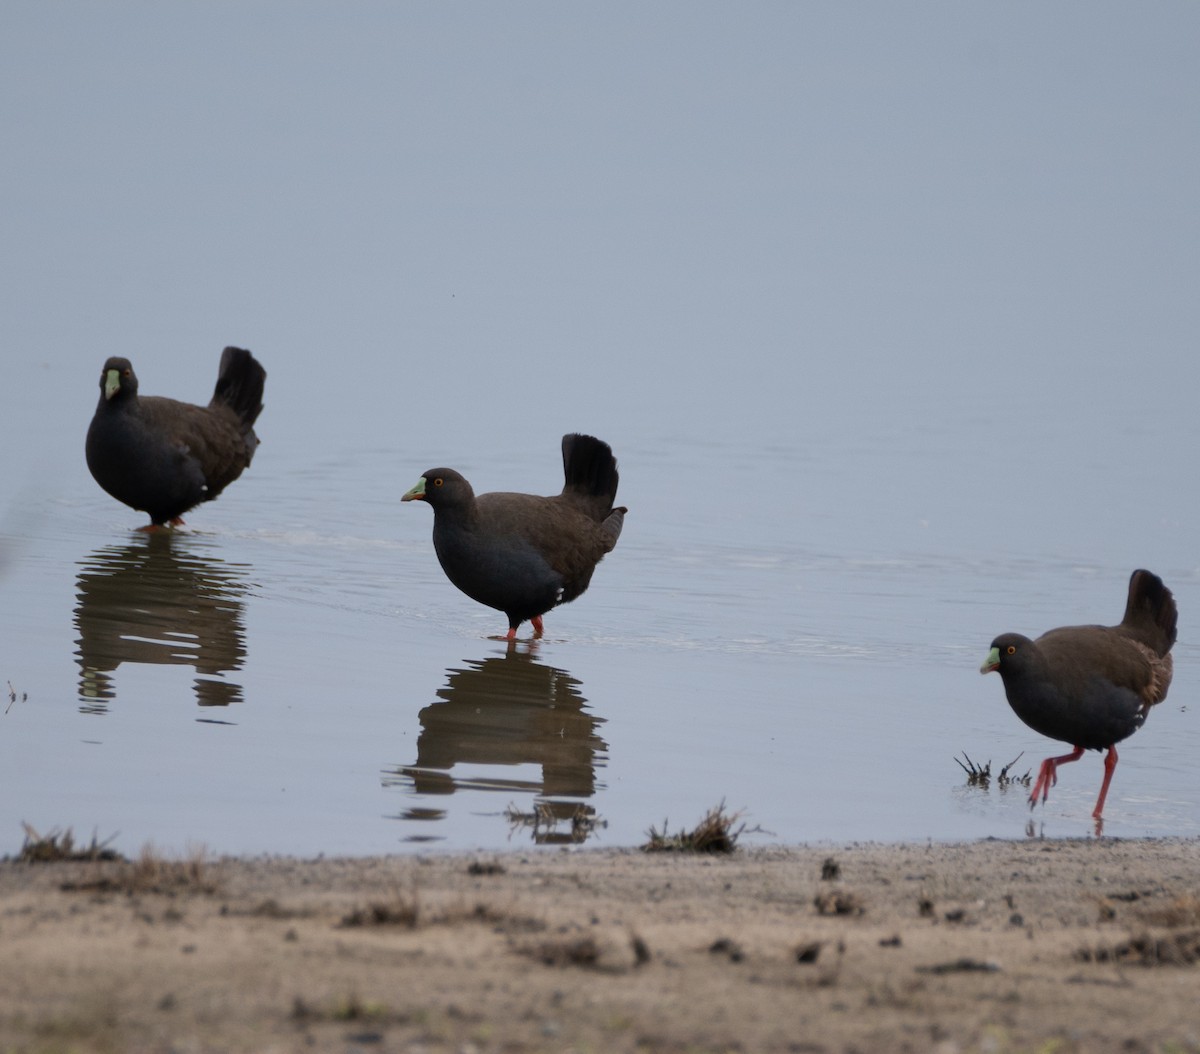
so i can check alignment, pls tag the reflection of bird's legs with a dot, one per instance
(1110, 764)
(1048, 776)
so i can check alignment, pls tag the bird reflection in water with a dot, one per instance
(159, 599)
(508, 711)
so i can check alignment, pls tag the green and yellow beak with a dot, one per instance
(112, 383)
(992, 662)
(417, 493)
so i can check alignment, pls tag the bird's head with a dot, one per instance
(118, 378)
(1007, 650)
(440, 487)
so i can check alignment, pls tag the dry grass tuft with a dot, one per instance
(716, 833)
(1175, 949)
(399, 911)
(981, 775)
(591, 953)
(153, 874)
(1182, 911)
(839, 902)
(582, 951)
(347, 1008)
(58, 846)
(407, 911)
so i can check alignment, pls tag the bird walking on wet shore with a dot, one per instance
(164, 457)
(1091, 686)
(520, 553)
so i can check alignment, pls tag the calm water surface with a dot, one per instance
(785, 627)
(890, 322)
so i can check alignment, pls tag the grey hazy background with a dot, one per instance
(446, 225)
(889, 311)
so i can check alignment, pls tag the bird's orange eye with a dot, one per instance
(126, 373)
(1012, 649)
(437, 482)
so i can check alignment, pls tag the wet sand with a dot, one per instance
(992, 946)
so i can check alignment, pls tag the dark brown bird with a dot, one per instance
(520, 553)
(1091, 686)
(165, 457)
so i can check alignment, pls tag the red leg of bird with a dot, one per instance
(511, 634)
(1110, 764)
(1048, 775)
(537, 625)
(152, 528)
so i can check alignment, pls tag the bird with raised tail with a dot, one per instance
(520, 553)
(1091, 686)
(164, 457)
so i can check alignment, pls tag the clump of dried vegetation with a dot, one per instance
(590, 952)
(150, 872)
(1147, 949)
(1181, 947)
(401, 910)
(57, 846)
(1182, 911)
(347, 1008)
(839, 902)
(407, 911)
(718, 832)
(981, 775)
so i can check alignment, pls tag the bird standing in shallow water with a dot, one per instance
(1091, 686)
(163, 456)
(520, 553)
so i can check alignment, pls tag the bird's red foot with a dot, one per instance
(536, 621)
(151, 528)
(1048, 774)
(1046, 777)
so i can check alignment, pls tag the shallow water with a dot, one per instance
(890, 321)
(285, 676)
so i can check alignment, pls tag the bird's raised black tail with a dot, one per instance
(591, 473)
(240, 384)
(1150, 612)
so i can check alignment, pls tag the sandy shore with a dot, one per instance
(995, 946)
